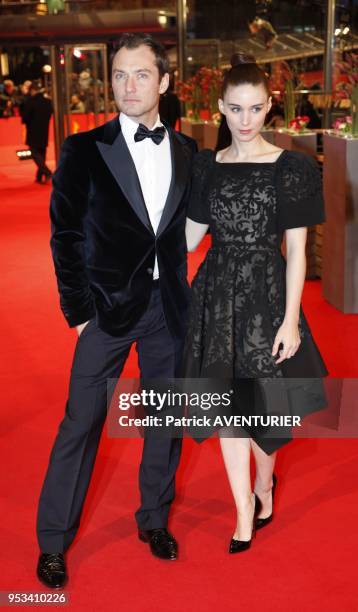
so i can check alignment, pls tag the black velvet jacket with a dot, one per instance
(102, 241)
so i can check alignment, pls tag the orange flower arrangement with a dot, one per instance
(200, 92)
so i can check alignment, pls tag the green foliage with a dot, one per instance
(289, 102)
(55, 6)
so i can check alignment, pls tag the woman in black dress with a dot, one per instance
(246, 321)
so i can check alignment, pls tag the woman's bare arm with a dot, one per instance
(288, 334)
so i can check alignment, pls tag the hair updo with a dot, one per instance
(244, 69)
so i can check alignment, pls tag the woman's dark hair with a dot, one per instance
(134, 40)
(244, 70)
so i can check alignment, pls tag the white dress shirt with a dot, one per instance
(154, 168)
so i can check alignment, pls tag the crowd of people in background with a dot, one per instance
(31, 101)
(86, 96)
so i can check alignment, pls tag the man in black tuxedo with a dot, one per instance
(118, 211)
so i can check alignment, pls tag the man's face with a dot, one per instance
(136, 82)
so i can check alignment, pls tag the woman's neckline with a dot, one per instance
(249, 162)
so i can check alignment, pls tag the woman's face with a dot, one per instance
(245, 108)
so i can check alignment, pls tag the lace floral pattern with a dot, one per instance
(238, 294)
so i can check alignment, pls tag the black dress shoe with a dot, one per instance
(262, 522)
(161, 542)
(51, 570)
(237, 546)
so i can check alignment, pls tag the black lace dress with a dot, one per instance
(238, 293)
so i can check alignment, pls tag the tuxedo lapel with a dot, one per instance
(180, 170)
(118, 159)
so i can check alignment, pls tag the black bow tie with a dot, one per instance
(156, 135)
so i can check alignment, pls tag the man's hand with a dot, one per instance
(81, 327)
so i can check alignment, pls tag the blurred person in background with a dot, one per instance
(8, 100)
(24, 95)
(307, 108)
(36, 116)
(77, 105)
(264, 31)
(169, 105)
(85, 79)
(276, 115)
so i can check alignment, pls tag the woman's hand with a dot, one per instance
(289, 336)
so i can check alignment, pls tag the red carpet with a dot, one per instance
(305, 560)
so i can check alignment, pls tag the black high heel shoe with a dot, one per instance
(262, 522)
(237, 546)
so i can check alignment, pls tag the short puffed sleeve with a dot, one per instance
(198, 208)
(299, 191)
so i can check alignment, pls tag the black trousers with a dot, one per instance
(39, 157)
(99, 356)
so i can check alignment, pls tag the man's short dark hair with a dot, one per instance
(134, 40)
